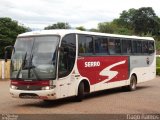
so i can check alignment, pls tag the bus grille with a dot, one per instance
(29, 87)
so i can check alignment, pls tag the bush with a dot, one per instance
(158, 66)
(158, 70)
(158, 62)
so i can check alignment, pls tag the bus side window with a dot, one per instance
(145, 47)
(134, 46)
(101, 45)
(117, 45)
(81, 44)
(139, 46)
(126, 46)
(111, 46)
(85, 45)
(151, 47)
(89, 45)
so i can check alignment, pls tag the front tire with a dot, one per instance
(80, 94)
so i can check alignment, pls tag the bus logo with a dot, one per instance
(108, 72)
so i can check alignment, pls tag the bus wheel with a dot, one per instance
(80, 94)
(133, 83)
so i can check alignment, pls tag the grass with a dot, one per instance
(158, 65)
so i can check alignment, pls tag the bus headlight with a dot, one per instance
(13, 87)
(46, 88)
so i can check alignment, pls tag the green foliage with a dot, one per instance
(158, 71)
(59, 25)
(145, 21)
(158, 47)
(9, 29)
(123, 31)
(81, 28)
(112, 27)
(157, 39)
(158, 66)
(93, 30)
(141, 21)
(106, 27)
(158, 62)
(126, 19)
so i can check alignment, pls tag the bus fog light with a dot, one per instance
(13, 87)
(48, 87)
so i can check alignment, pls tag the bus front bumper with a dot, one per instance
(39, 94)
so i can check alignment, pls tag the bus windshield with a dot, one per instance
(34, 58)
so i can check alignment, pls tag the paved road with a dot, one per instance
(146, 99)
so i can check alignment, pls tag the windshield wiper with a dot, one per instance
(31, 66)
(23, 63)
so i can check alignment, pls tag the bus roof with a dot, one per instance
(63, 32)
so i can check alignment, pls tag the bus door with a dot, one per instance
(67, 56)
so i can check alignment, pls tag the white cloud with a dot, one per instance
(41, 13)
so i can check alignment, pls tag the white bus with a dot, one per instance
(53, 64)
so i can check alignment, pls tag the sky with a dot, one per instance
(38, 14)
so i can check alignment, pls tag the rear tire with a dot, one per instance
(80, 94)
(133, 82)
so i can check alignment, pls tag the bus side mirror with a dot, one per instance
(5, 56)
(6, 52)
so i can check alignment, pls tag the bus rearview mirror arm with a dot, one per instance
(5, 56)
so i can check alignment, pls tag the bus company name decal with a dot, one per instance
(104, 68)
(92, 64)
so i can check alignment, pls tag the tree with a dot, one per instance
(112, 27)
(146, 21)
(126, 19)
(59, 25)
(141, 21)
(106, 27)
(93, 30)
(123, 31)
(9, 29)
(81, 28)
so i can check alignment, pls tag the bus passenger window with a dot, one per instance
(151, 47)
(145, 47)
(85, 45)
(81, 48)
(111, 46)
(139, 47)
(101, 46)
(134, 46)
(126, 46)
(89, 45)
(117, 45)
